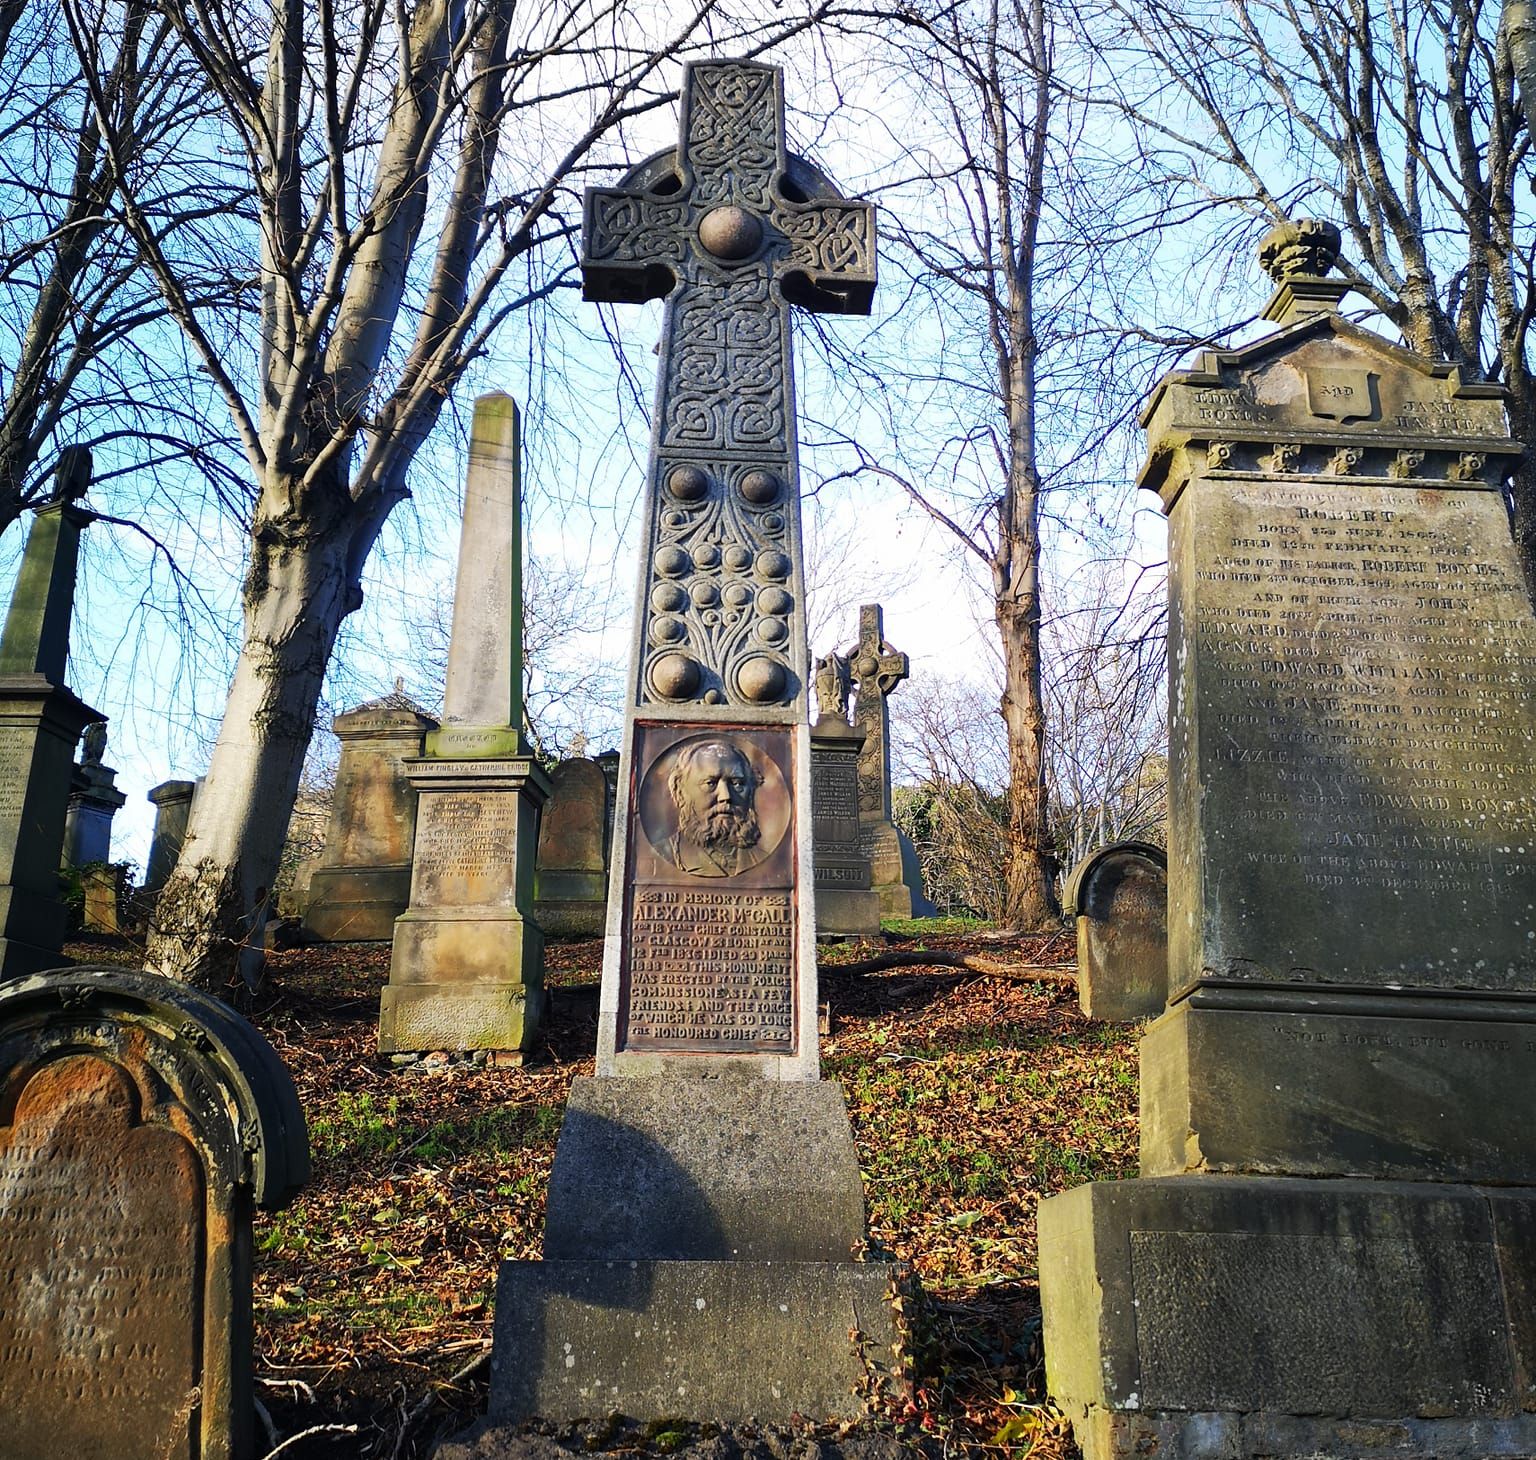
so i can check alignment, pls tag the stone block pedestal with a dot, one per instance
(700, 1258)
(357, 904)
(732, 1340)
(1308, 1081)
(40, 725)
(1239, 1317)
(466, 970)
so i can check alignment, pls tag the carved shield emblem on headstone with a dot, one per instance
(1337, 394)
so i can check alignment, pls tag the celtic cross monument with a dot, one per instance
(719, 1211)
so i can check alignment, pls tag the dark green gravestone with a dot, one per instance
(1329, 1251)
(847, 904)
(40, 725)
(140, 1123)
(705, 1203)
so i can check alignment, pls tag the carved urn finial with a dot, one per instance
(1299, 254)
(1306, 247)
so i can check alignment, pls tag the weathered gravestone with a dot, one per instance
(571, 879)
(1118, 896)
(877, 671)
(1332, 1250)
(140, 1123)
(172, 801)
(93, 801)
(40, 724)
(363, 882)
(846, 904)
(705, 1198)
(467, 967)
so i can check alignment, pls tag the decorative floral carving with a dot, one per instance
(1468, 466)
(1218, 455)
(1343, 461)
(1406, 464)
(1286, 457)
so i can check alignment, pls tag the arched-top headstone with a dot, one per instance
(1119, 896)
(571, 881)
(140, 1123)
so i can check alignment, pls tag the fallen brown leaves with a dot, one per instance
(974, 1085)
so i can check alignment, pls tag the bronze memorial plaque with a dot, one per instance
(709, 955)
(101, 1252)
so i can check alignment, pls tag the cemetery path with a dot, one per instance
(974, 1085)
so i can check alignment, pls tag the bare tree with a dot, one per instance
(993, 228)
(1399, 122)
(84, 358)
(1106, 691)
(411, 166)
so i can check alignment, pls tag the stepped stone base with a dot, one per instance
(357, 904)
(1227, 1318)
(728, 1341)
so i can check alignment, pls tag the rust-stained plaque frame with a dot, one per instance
(710, 938)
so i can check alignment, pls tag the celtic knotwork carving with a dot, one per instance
(636, 230)
(739, 235)
(826, 239)
(727, 349)
(732, 135)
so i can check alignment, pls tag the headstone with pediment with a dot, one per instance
(141, 1122)
(571, 879)
(685, 1267)
(363, 881)
(1333, 1243)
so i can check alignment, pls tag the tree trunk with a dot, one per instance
(1030, 894)
(205, 924)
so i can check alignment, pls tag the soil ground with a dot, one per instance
(973, 1094)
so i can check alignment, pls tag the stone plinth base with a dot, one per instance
(846, 912)
(458, 1016)
(727, 1341)
(456, 982)
(357, 904)
(675, 1168)
(467, 967)
(1329, 1082)
(1237, 1317)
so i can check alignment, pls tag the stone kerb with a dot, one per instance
(1118, 898)
(141, 1121)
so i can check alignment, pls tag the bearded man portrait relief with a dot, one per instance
(714, 788)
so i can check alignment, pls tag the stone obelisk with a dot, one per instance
(466, 970)
(706, 1185)
(40, 725)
